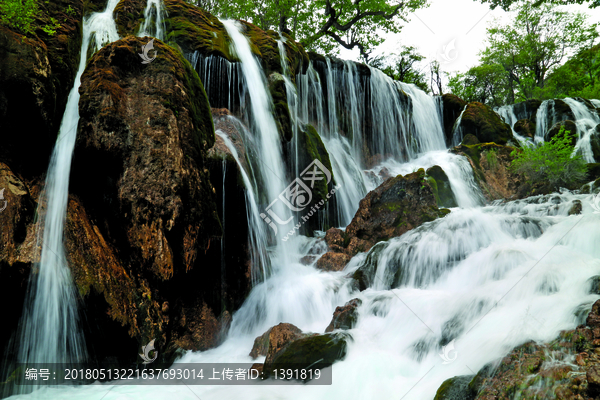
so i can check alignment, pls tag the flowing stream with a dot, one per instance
(485, 278)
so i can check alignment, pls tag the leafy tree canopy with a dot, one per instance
(403, 66)
(520, 55)
(323, 25)
(506, 4)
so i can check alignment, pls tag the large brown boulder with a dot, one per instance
(139, 170)
(481, 121)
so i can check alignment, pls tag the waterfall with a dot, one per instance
(50, 330)
(507, 113)
(154, 24)
(586, 121)
(457, 134)
(545, 118)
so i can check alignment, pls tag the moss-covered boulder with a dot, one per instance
(440, 184)
(481, 121)
(527, 109)
(395, 207)
(37, 72)
(470, 140)
(452, 106)
(456, 388)
(281, 110)
(149, 126)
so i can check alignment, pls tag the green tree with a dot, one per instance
(551, 162)
(484, 83)
(403, 66)
(324, 24)
(506, 4)
(534, 44)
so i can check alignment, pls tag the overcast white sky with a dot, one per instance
(452, 32)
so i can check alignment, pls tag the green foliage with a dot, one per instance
(551, 162)
(70, 11)
(51, 28)
(18, 14)
(322, 25)
(403, 67)
(524, 54)
(506, 4)
(485, 83)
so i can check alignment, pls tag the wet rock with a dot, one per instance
(595, 142)
(527, 110)
(594, 284)
(593, 319)
(150, 127)
(331, 261)
(576, 208)
(344, 317)
(481, 121)
(279, 338)
(395, 207)
(452, 106)
(261, 345)
(456, 388)
(441, 187)
(314, 351)
(525, 127)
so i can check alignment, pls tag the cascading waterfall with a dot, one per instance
(545, 118)
(50, 329)
(486, 277)
(508, 115)
(586, 121)
(154, 16)
(457, 134)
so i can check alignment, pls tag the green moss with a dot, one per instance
(313, 148)
(440, 184)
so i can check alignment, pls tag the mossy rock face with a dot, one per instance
(481, 121)
(453, 106)
(317, 351)
(562, 111)
(150, 127)
(37, 73)
(456, 388)
(593, 171)
(470, 140)
(443, 191)
(129, 16)
(569, 126)
(92, 6)
(595, 142)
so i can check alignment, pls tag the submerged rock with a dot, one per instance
(456, 388)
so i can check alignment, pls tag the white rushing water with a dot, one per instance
(488, 277)
(586, 121)
(154, 15)
(508, 115)
(50, 330)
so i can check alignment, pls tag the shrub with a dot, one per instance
(551, 162)
(18, 14)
